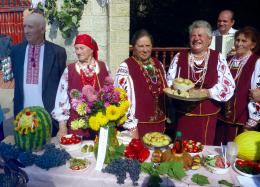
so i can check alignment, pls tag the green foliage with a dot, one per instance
(200, 179)
(67, 18)
(226, 183)
(173, 169)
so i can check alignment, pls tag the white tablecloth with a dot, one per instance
(64, 177)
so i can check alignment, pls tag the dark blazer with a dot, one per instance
(54, 63)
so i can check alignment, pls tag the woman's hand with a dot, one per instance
(134, 132)
(250, 124)
(255, 94)
(63, 130)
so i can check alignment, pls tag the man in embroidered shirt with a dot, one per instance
(37, 67)
(225, 23)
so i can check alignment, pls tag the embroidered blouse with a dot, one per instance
(216, 92)
(62, 104)
(123, 74)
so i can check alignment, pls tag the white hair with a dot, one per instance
(201, 24)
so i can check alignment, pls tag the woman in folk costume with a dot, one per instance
(241, 112)
(88, 70)
(143, 78)
(209, 71)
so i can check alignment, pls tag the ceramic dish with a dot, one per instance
(170, 94)
(80, 164)
(155, 140)
(216, 170)
(71, 147)
(243, 173)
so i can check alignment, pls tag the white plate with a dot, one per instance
(88, 142)
(198, 153)
(216, 170)
(84, 169)
(242, 173)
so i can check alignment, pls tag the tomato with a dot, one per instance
(77, 140)
(240, 163)
(75, 167)
(195, 149)
(185, 142)
(70, 141)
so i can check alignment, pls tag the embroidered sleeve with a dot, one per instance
(123, 80)
(254, 107)
(171, 74)
(62, 105)
(224, 89)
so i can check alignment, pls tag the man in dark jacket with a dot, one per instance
(37, 66)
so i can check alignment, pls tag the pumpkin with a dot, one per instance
(33, 127)
(184, 157)
(248, 145)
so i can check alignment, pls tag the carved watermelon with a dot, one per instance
(33, 126)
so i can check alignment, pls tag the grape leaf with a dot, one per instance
(172, 169)
(226, 183)
(199, 179)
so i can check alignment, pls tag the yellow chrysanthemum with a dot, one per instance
(125, 105)
(102, 119)
(122, 120)
(77, 124)
(122, 93)
(112, 112)
(81, 109)
(93, 123)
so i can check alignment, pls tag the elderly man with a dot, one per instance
(225, 23)
(37, 67)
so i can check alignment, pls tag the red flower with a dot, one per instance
(28, 113)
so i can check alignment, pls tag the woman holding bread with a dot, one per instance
(209, 72)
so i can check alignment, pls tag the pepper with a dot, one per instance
(143, 155)
(136, 144)
(130, 153)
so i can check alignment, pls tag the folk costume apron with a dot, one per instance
(75, 82)
(197, 120)
(234, 113)
(150, 99)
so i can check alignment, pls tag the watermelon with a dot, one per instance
(33, 127)
(248, 145)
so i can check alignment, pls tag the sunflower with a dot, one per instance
(113, 112)
(94, 123)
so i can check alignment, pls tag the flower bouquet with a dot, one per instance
(105, 109)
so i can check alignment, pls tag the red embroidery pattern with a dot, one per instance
(32, 75)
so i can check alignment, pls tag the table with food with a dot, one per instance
(116, 159)
(154, 159)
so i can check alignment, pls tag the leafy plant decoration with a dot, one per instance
(66, 18)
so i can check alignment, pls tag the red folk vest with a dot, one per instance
(74, 82)
(145, 101)
(235, 110)
(208, 106)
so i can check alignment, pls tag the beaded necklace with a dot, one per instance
(151, 75)
(238, 63)
(153, 78)
(87, 74)
(198, 69)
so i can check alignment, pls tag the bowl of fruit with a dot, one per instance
(247, 168)
(193, 147)
(216, 164)
(70, 142)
